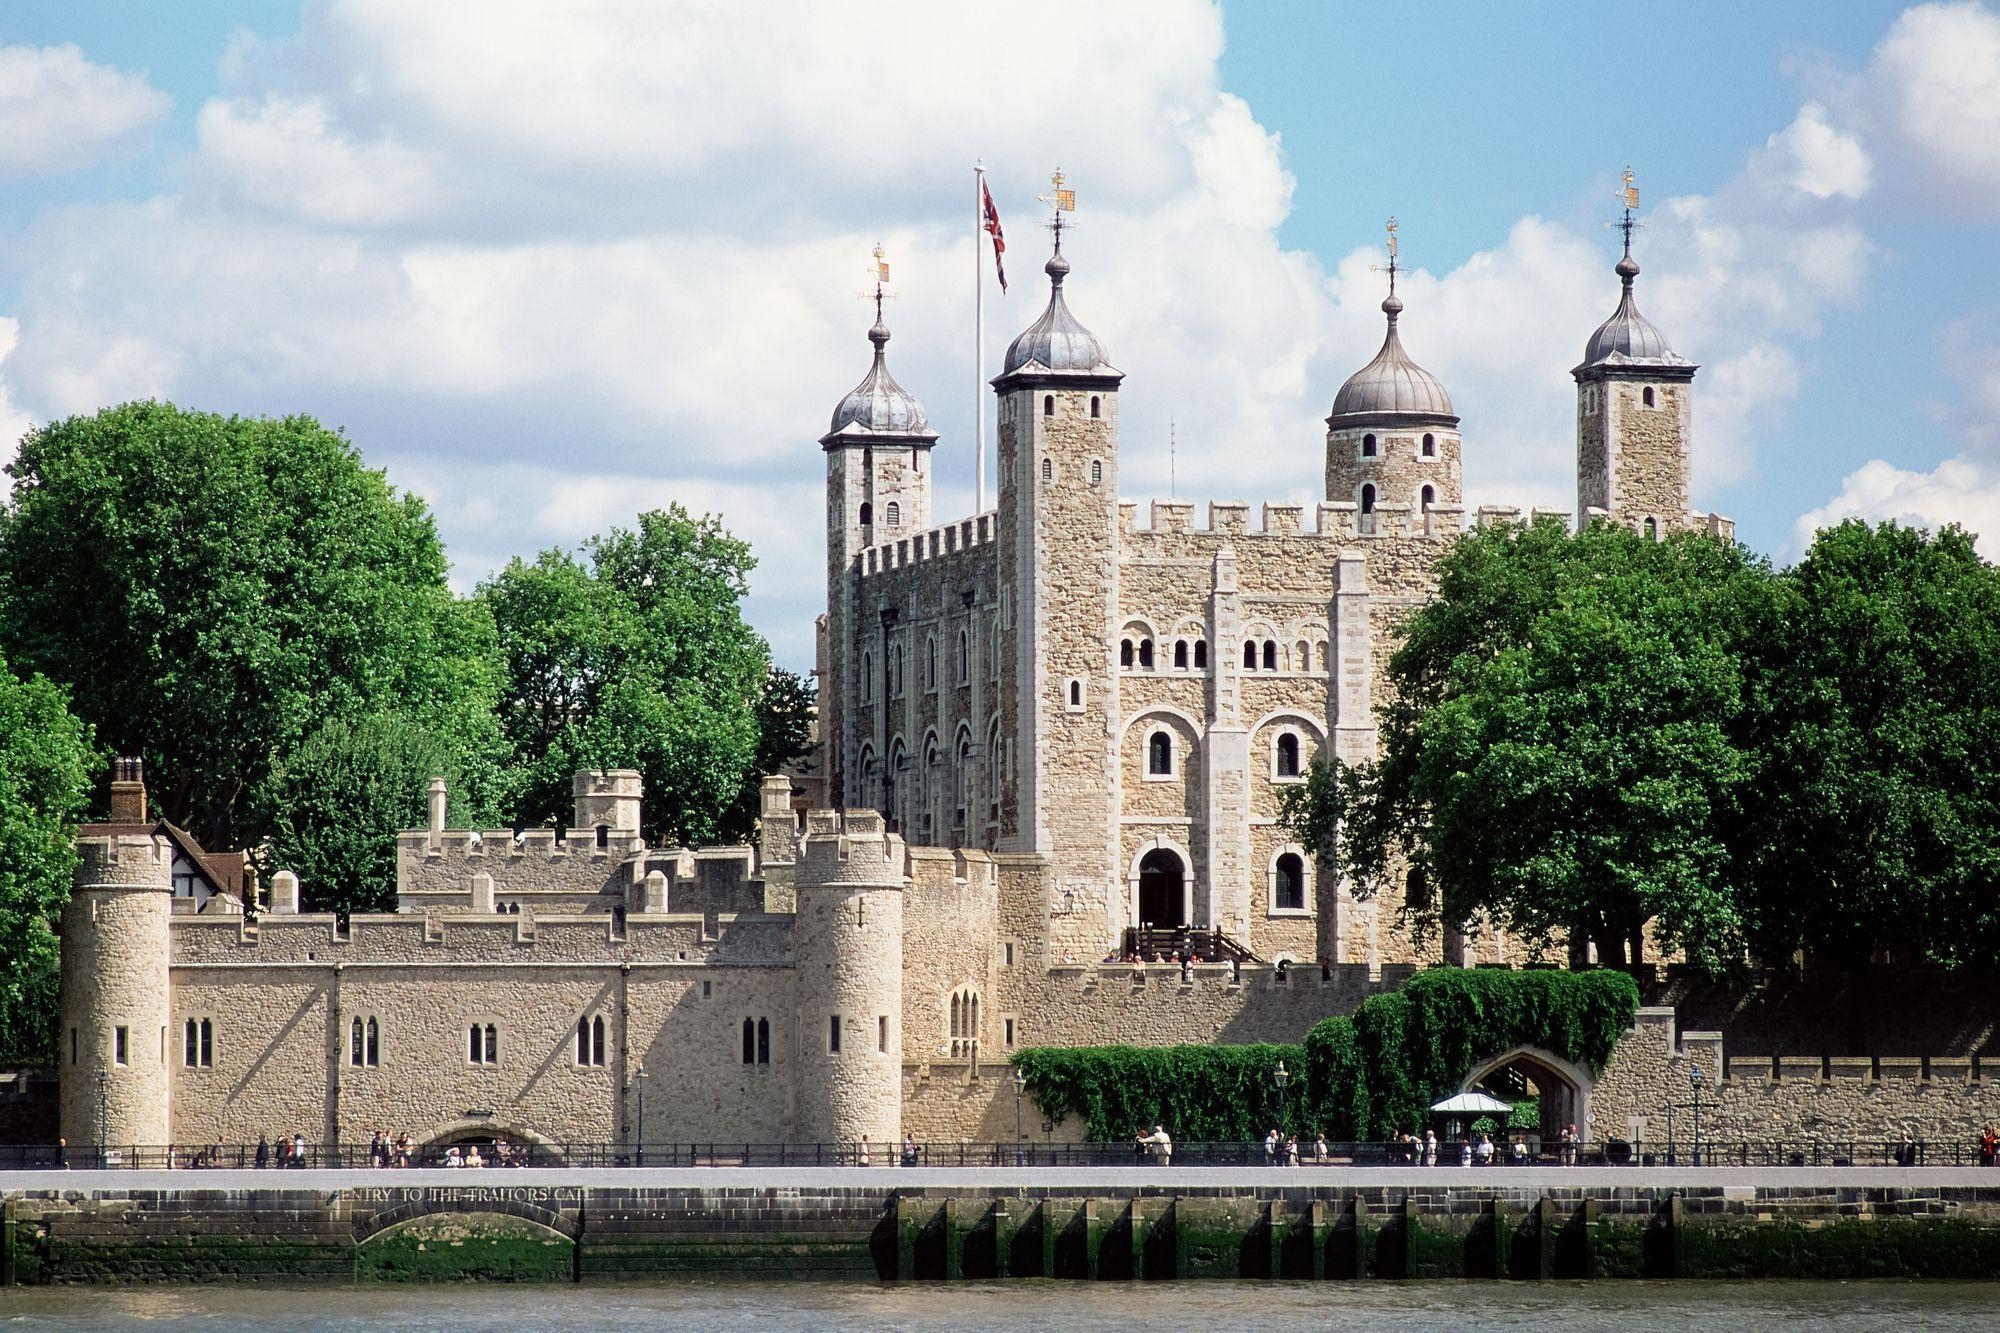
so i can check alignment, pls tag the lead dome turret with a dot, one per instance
(1392, 442)
(879, 406)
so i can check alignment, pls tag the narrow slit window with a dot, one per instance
(1201, 654)
(1250, 656)
(1093, 405)
(882, 1033)
(1146, 654)
(1048, 405)
(833, 1035)
(749, 1042)
(120, 1042)
(867, 514)
(1270, 654)
(1180, 655)
(1048, 470)
(763, 1041)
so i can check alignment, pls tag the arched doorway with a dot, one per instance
(1162, 890)
(1559, 1089)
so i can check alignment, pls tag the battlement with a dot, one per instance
(1339, 520)
(1765, 1071)
(850, 847)
(125, 860)
(935, 544)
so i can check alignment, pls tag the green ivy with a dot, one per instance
(1379, 1071)
(1198, 1092)
(1358, 1077)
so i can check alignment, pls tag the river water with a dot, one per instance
(1020, 1305)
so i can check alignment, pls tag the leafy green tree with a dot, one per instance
(1560, 750)
(784, 737)
(47, 765)
(214, 590)
(636, 656)
(1877, 708)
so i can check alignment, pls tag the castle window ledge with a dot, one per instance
(1295, 913)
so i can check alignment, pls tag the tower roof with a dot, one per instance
(878, 406)
(1392, 384)
(1628, 337)
(1057, 344)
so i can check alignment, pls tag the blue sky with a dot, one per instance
(575, 260)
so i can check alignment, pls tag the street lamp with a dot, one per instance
(1694, 1077)
(1283, 1078)
(642, 1113)
(1020, 1086)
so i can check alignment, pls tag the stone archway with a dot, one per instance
(481, 1132)
(1562, 1087)
(1163, 889)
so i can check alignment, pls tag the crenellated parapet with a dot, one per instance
(850, 847)
(1336, 520)
(941, 543)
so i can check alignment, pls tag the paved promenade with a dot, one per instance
(1111, 1178)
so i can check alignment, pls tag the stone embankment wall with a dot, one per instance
(1839, 1229)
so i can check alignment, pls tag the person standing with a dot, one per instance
(1271, 1148)
(1430, 1147)
(1319, 1150)
(1159, 1144)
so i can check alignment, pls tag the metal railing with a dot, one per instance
(353, 1156)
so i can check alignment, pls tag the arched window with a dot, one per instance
(1288, 889)
(1180, 654)
(894, 513)
(1302, 659)
(1367, 497)
(1368, 446)
(482, 1044)
(1201, 654)
(1270, 654)
(1288, 755)
(1093, 405)
(964, 657)
(1048, 405)
(374, 1043)
(1096, 466)
(1250, 655)
(1652, 530)
(1048, 470)
(1427, 497)
(1646, 396)
(930, 663)
(1125, 652)
(357, 1048)
(867, 513)
(1160, 754)
(867, 678)
(749, 1042)
(763, 1041)
(1076, 694)
(583, 1040)
(1416, 887)
(1430, 446)
(1146, 654)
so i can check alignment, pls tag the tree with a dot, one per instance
(784, 737)
(637, 656)
(1560, 750)
(1876, 708)
(47, 765)
(213, 590)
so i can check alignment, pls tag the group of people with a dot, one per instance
(385, 1149)
(286, 1152)
(1285, 1151)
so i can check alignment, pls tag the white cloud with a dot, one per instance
(551, 270)
(1934, 88)
(14, 423)
(1959, 490)
(59, 112)
(1820, 160)
(288, 154)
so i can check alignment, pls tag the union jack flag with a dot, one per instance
(993, 230)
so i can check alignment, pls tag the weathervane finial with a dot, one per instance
(1060, 200)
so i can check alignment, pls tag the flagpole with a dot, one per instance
(978, 338)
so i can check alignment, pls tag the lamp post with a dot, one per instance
(642, 1113)
(1020, 1086)
(1694, 1077)
(1282, 1077)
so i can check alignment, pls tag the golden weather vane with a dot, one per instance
(1628, 199)
(878, 274)
(1060, 199)
(1391, 268)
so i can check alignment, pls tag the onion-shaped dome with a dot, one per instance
(1392, 384)
(1628, 335)
(1057, 344)
(878, 405)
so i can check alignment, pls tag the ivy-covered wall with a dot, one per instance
(1363, 1076)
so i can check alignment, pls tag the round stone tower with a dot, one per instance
(116, 1000)
(1392, 443)
(847, 949)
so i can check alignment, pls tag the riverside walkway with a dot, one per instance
(1171, 1179)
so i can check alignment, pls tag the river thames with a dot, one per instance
(1020, 1305)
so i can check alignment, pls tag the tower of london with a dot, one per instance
(1055, 737)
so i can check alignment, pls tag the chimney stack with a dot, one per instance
(128, 790)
